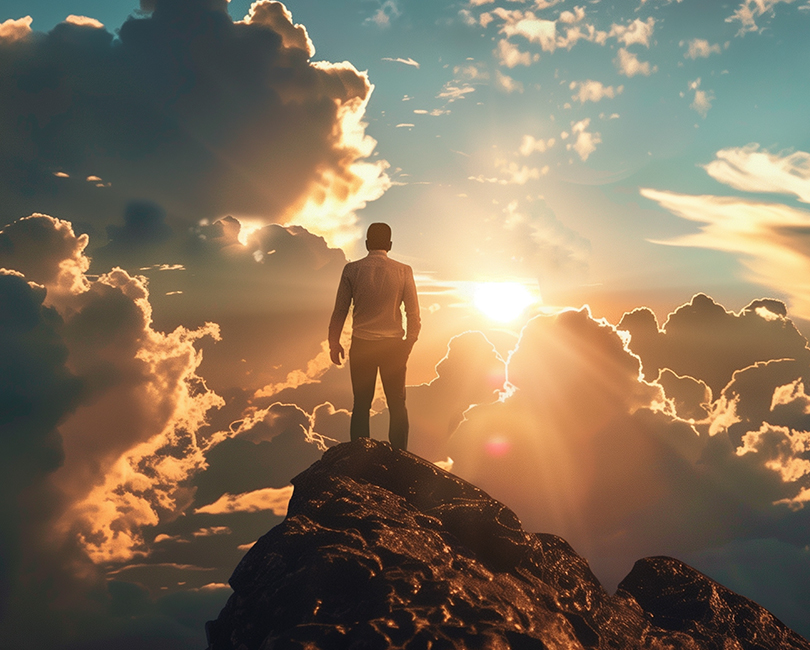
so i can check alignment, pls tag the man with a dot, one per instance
(377, 285)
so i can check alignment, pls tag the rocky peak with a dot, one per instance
(381, 549)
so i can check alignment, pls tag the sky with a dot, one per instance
(605, 207)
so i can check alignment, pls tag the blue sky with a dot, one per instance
(601, 157)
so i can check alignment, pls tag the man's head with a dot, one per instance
(378, 237)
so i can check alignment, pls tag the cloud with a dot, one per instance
(272, 499)
(770, 238)
(280, 280)
(638, 32)
(753, 170)
(535, 30)
(409, 61)
(593, 91)
(581, 446)
(703, 98)
(586, 141)
(700, 48)
(127, 402)
(37, 393)
(382, 17)
(12, 30)
(628, 64)
(703, 341)
(507, 83)
(572, 16)
(529, 144)
(451, 92)
(242, 120)
(84, 21)
(508, 54)
(749, 10)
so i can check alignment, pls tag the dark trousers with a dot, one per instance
(390, 357)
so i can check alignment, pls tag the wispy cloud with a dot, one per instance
(408, 61)
(771, 239)
(272, 499)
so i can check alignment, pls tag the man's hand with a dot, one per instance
(336, 353)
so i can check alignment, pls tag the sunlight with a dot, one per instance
(502, 301)
(249, 226)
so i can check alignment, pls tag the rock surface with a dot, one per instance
(381, 549)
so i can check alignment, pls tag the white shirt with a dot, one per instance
(377, 285)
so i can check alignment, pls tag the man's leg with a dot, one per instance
(393, 364)
(363, 370)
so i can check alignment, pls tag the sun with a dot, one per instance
(502, 301)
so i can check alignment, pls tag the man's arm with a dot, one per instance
(343, 301)
(411, 302)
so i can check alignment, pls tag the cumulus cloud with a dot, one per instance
(699, 48)
(243, 121)
(529, 144)
(593, 91)
(582, 446)
(628, 64)
(572, 16)
(704, 341)
(586, 141)
(85, 21)
(535, 30)
(12, 30)
(638, 32)
(127, 439)
(249, 279)
(508, 54)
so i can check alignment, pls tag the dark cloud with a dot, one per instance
(82, 354)
(267, 451)
(185, 108)
(37, 392)
(704, 341)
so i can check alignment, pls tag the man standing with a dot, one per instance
(377, 285)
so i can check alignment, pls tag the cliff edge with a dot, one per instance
(381, 549)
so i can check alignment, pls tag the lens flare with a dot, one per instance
(502, 301)
(497, 446)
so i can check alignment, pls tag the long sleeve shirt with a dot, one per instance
(377, 285)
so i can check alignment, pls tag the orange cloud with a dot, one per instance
(272, 499)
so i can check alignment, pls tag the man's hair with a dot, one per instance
(378, 237)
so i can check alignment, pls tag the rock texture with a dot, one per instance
(381, 549)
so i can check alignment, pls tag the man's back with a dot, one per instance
(378, 285)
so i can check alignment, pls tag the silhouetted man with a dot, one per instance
(377, 285)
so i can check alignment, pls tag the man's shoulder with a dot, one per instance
(376, 260)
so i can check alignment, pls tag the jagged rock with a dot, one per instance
(381, 549)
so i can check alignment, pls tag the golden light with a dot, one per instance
(502, 301)
(249, 226)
